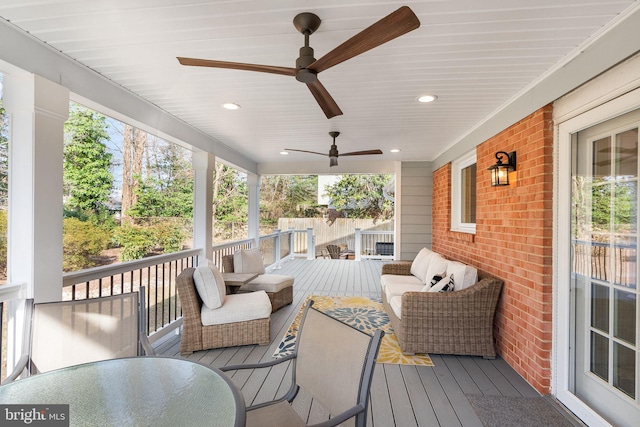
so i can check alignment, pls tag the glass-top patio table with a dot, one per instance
(138, 391)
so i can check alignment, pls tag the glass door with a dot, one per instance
(605, 355)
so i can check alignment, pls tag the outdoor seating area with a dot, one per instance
(444, 394)
(238, 366)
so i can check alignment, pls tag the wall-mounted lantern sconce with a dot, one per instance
(500, 171)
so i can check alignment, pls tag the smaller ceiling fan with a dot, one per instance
(333, 152)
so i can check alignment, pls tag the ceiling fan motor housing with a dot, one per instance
(306, 58)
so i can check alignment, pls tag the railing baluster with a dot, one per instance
(163, 295)
(155, 306)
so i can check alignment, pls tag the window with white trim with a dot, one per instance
(463, 193)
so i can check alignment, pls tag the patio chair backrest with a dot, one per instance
(334, 251)
(335, 363)
(73, 332)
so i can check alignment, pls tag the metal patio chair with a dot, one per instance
(333, 362)
(66, 333)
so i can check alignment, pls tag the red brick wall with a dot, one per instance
(513, 241)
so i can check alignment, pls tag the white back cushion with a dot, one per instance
(248, 261)
(420, 264)
(437, 267)
(463, 275)
(210, 285)
(457, 269)
(470, 277)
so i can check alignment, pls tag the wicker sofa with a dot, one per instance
(458, 322)
(196, 336)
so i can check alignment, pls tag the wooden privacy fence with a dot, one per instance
(341, 232)
(602, 261)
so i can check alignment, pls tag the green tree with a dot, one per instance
(87, 179)
(230, 194)
(362, 196)
(288, 196)
(166, 190)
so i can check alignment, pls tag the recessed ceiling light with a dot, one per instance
(231, 106)
(395, 150)
(427, 98)
(284, 153)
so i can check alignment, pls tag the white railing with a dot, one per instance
(158, 272)
(374, 244)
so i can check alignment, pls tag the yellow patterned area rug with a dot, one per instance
(362, 313)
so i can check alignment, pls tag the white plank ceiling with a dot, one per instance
(475, 55)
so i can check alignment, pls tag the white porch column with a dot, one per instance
(253, 182)
(203, 168)
(37, 111)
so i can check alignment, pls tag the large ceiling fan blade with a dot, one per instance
(305, 151)
(361, 153)
(388, 28)
(326, 102)
(237, 66)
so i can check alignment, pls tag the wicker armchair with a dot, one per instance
(196, 336)
(458, 322)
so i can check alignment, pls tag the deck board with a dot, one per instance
(400, 395)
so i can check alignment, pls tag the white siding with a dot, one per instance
(416, 198)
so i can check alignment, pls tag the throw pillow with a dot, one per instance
(248, 261)
(210, 285)
(444, 285)
(434, 280)
(437, 266)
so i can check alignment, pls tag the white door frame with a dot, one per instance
(561, 374)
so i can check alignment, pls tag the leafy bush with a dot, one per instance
(82, 242)
(168, 236)
(137, 241)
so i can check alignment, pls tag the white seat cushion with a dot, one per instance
(395, 289)
(396, 306)
(269, 283)
(420, 264)
(387, 279)
(210, 285)
(238, 308)
(248, 261)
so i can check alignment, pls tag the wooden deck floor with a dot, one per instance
(401, 395)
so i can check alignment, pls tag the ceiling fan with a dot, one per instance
(307, 67)
(333, 152)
